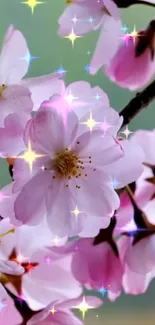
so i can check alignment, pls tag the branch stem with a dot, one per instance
(138, 103)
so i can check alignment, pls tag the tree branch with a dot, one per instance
(138, 103)
(128, 3)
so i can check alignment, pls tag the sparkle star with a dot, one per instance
(97, 97)
(61, 70)
(134, 34)
(70, 98)
(90, 122)
(76, 248)
(105, 126)
(32, 4)
(53, 310)
(30, 156)
(124, 28)
(20, 258)
(47, 260)
(87, 68)
(28, 58)
(83, 307)
(102, 291)
(56, 240)
(72, 37)
(126, 38)
(126, 132)
(29, 267)
(115, 183)
(75, 20)
(91, 20)
(2, 305)
(76, 211)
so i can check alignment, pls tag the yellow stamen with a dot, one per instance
(65, 164)
(8, 232)
(69, 2)
(2, 88)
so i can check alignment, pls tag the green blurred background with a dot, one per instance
(40, 30)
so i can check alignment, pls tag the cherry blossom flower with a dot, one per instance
(84, 104)
(133, 283)
(92, 15)
(135, 216)
(26, 250)
(89, 104)
(133, 64)
(96, 262)
(15, 97)
(61, 312)
(14, 64)
(11, 135)
(140, 251)
(144, 187)
(72, 176)
(97, 266)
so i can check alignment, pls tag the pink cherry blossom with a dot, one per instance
(132, 161)
(94, 266)
(15, 99)
(97, 266)
(30, 258)
(139, 256)
(84, 100)
(11, 135)
(144, 187)
(118, 176)
(43, 87)
(62, 314)
(133, 283)
(59, 191)
(133, 64)
(14, 64)
(92, 15)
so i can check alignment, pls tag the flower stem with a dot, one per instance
(138, 103)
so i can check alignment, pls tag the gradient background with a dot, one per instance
(40, 31)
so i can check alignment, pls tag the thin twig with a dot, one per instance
(138, 103)
(128, 3)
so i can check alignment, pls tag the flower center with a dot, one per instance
(2, 88)
(69, 2)
(65, 163)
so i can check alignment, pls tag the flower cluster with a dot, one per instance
(79, 210)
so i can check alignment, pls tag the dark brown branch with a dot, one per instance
(22, 307)
(106, 235)
(138, 103)
(128, 3)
